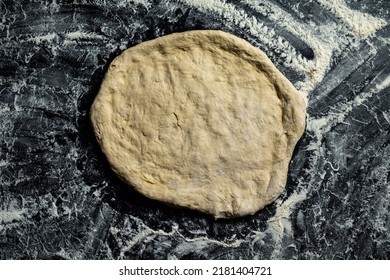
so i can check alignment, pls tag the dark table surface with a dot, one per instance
(60, 200)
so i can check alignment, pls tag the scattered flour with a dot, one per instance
(321, 126)
(147, 234)
(125, 3)
(362, 24)
(10, 216)
(280, 223)
(53, 210)
(384, 84)
(83, 35)
(41, 38)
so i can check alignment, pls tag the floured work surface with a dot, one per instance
(201, 120)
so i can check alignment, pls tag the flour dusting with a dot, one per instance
(147, 234)
(280, 224)
(83, 35)
(384, 84)
(7, 217)
(362, 24)
(126, 3)
(41, 38)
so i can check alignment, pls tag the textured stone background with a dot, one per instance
(60, 200)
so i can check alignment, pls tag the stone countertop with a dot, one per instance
(60, 200)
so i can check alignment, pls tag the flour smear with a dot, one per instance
(362, 24)
(7, 217)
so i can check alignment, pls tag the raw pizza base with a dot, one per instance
(200, 119)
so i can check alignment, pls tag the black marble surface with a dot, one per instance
(60, 200)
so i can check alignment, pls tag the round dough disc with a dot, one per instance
(200, 119)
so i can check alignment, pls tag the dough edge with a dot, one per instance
(294, 105)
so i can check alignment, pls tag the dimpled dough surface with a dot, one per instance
(201, 120)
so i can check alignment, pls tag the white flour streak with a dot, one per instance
(321, 126)
(322, 44)
(383, 85)
(146, 234)
(83, 35)
(9, 217)
(280, 223)
(363, 25)
(48, 37)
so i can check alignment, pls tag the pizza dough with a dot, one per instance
(201, 120)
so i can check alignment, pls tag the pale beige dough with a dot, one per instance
(201, 120)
